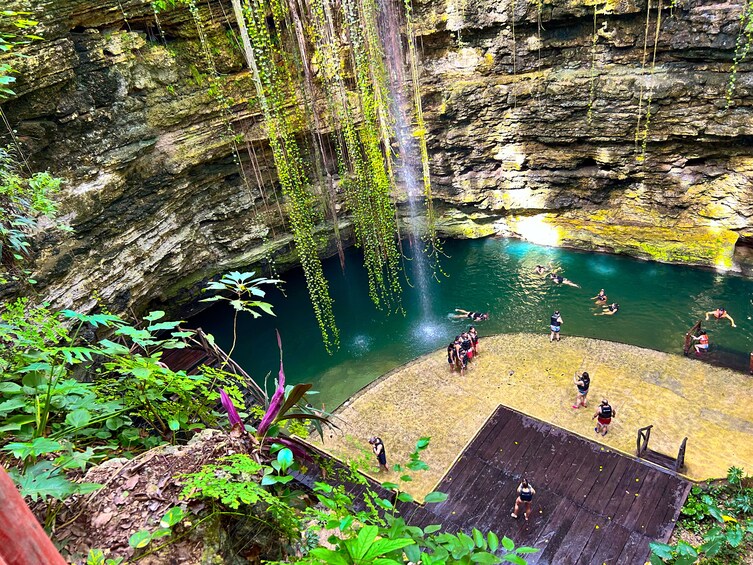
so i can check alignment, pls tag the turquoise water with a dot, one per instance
(658, 304)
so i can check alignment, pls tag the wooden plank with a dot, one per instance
(554, 533)
(605, 544)
(635, 551)
(652, 490)
(635, 483)
(531, 452)
(576, 538)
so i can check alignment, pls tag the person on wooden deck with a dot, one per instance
(604, 414)
(525, 496)
(720, 313)
(377, 445)
(582, 381)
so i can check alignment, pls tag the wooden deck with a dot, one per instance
(592, 506)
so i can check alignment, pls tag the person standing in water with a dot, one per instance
(377, 446)
(582, 381)
(555, 324)
(703, 342)
(525, 496)
(604, 413)
(720, 313)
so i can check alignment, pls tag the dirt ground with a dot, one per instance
(679, 396)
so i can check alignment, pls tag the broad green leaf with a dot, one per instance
(405, 497)
(486, 558)
(12, 404)
(10, 388)
(508, 544)
(435, 496)
(42, 481)
(433, 528)
(156, 315)
(163, 326)
(329, 556)
(382, 546)
(466, 540)
(493, 540)
(512, 558)
(359, 546)
(423, 443)
(161, 533)
(285, 458)
(15, 423)
(34, 380)
(172, 517)
(140, 539)
(413, 553)
(114, 422)
(478, 538)
(78, 418)
(112, 348)
(174, 425)
(389, 486)
(39, 446)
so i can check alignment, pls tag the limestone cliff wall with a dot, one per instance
(162, 193)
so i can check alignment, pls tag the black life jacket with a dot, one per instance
(586, 383)
(526, 495)
(555, 320)
(606, 411)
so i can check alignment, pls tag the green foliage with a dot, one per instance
(742, 46)
(234, 482)
(143, 538)
(24, 200)
(13, 25)
(97, 557)
(722, 516)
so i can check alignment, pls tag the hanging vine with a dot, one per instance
(641, 133)
(742, 46)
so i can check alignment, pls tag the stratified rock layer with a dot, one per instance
(533, 111)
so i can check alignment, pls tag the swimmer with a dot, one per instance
(720, 313)
(703, 343)
(600, 298)
(540, 269)
(559, 279)
(475, 316)
(610, 310)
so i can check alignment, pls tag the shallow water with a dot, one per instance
(658, 304)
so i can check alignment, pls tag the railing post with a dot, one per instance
(22, 539)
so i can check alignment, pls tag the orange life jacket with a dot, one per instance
(704, 339)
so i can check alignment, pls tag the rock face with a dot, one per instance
(533, 113)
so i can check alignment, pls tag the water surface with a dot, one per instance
(658, 304)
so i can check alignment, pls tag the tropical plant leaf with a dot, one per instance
(435, 496)
(294, 396)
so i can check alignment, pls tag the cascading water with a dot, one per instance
(390, 29)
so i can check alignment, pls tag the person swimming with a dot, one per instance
(610, 310)
(475, 316)
(600, 298)
(720, 313)
(540, 269)
(559, 279)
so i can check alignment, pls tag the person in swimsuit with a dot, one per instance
(703, 343)
(558, 279)
(720, 313)
(582, 381)
(377, 446)
(540, 269)
(462, 359)
(610, 310)
(525, 496)
(475, 316)
(600, 298)
(451, 357)
(466, 343)
(474, 339)
(604, 413)
(554, 324)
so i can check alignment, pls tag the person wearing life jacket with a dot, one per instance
(582, 381)
(604, 414)
(525, 496)
(474, 338)
(601, 298)
(610, 310)
(703, 343)
(720, 313)
(555, 324)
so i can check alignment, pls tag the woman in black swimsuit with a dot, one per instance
(475, 316)
(525, 496)
(378, 448)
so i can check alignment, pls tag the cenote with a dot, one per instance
(658, 304)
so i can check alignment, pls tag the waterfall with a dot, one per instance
(408, 159)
